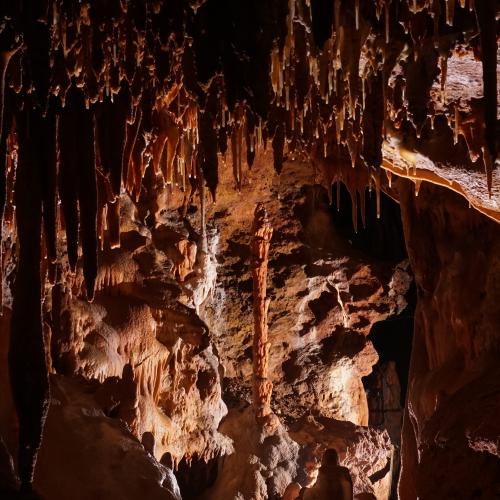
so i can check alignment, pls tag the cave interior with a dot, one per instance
(249, 249)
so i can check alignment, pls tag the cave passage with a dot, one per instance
(386, 386)
(383, 237)
(195, 476)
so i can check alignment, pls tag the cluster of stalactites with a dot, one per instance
(346, 75)
(117, 100)
(352, 73)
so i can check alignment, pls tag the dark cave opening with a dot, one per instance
(386, 386)
(194, 476)
(383, 238)
(392, 339)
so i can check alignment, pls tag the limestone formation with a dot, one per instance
(137, 340)
(262, 385)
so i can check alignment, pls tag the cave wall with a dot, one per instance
(450, 430)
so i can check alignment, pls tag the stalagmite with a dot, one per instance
(262, 385)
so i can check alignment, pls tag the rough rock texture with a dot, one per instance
(366, 452)
(322, 307)
(263, 465)
(152, 353)
(145, 360)
(450, 424)
(111, 111)
(98, 457)
(325, 295)
(95, 454)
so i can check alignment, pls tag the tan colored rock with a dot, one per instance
(450, 425)
(264, 461)
(262, 386)
(98, 457)
(187, 249)
(325, 296)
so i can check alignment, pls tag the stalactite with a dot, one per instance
(113, 223)
(6, 54)
(28, 370)
(169, 152)
(250, 147)
(373, 119)
(135, 173)
(450, 11)
(443, 63)
(418, 183)
(133, 129)
(111, 120)
(49, 182)
(262, 387)
(87, 199)
(68, 172)
(208, 152)
(486, 18)
(236, 146)
(203, 222)
(7, 123)
(135, 65)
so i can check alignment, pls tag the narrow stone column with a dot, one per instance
(262, 386)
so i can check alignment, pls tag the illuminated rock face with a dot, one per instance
(117, 115)
(454, 254)
(259, 249)
(324, 296)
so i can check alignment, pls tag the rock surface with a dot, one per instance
(454, 368)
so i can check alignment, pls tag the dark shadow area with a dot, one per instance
(386, 386)
(195, 476)
(392, 339)
(382, 238)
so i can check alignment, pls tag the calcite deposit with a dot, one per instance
(259, 248)
(211, 211)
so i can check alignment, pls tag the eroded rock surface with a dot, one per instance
(325, 296)
(454, 369)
